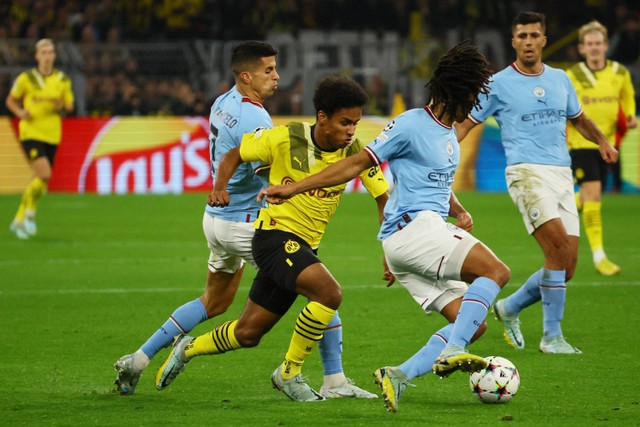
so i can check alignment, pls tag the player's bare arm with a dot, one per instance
(228, 165)
(457, 211)
(387, 275)
(15, 106)
(590, 131)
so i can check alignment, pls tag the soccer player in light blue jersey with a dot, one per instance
(433, 259)
(532, 103)
(229, 230)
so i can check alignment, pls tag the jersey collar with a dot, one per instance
(433, 116)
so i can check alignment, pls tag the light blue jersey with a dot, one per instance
(423, 155)
(532, 111)
(233, 115)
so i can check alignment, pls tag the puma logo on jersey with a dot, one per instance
(300, 162)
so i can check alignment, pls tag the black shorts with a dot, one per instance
(587, 165)
(281, 257)
(34, 149)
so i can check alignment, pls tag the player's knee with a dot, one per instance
(215, 306)
(333, 298)
(500, 273)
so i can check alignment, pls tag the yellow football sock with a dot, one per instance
(30, 197)
(578, 201)
(592, 220)
(220, 340)
(310, 325)
(23, 206)
(37, 187)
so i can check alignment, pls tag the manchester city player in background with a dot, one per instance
(532, 102)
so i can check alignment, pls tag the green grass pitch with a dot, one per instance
(105, 272)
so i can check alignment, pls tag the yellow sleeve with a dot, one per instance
(373, 179)
(257, 146)
(19, 88)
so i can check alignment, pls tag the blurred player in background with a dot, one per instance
(605, 88)
(229, 230)
(287, 236)
(532, 102)
(38, 98)
(430, 257)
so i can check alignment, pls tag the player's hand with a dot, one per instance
(388, 275)
(59, 105)
(608, 152)
(218, 198)
(632, 122)
(276, 194)
(465, 221)
(24, 114)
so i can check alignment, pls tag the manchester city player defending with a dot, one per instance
(430, 257)
(532, 102)
(287, 236)
(229, 230)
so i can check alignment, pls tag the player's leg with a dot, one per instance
(224, 273)
(592, 222)
(589, 171)
(545, 198)
(558, 248)
(336, 384)
(324, 294)
(254, 322)
(219, 294)
(487, 274)
(40, 158)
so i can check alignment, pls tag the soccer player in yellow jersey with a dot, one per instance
(287, 236)
(603, 87)
(38, 98)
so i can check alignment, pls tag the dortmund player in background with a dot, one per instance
(604, 87)
(38, 98)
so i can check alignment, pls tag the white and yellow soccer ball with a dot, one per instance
(497, 383)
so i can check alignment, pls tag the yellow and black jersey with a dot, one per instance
(39, 95)
(293, 155)
(601, 94)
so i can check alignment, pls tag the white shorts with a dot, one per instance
(542, 193)
(229, 242)
(426, 256)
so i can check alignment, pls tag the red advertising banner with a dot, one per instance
(161, 155)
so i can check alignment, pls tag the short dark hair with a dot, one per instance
(247, 53)
(461, 75)
(335, 92)
(524, 18)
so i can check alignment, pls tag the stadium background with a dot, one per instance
(167, 60)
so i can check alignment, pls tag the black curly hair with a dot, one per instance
(461, 75)
(335, 92)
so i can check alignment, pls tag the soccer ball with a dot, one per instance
(497, 383)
